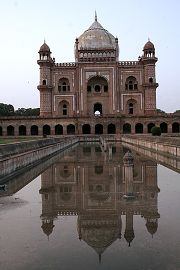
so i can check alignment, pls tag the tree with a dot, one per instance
(6, 109)
(177, 112)
(160, 111)
(27, 112)
(156, 131)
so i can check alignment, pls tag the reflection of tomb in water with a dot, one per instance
(91, 186)
(99, 232)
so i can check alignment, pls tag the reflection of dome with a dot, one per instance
(99, 233)
(129, 236)
(152, 226)
(100, 237)
(96, 37)
(47, 227)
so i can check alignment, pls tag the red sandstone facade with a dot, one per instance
(97, 82)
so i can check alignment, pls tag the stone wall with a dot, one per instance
(15, 157)
(164, 145)
(168, 161)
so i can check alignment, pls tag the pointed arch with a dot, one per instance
(10, 130)
(98, 129)
(97, 84)
(70, 129)
(34, 130)
(126, 128)
(97, 108)
(46, 130)
(86, 129)
(63, 85)
(131, 106)
(22, 130)
(139, 128)
(58, 130)
(63, 108)
(164, 127)
(111, 129)
(175, 127)
(149, 126)
(131, 83)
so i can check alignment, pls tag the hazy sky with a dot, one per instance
(25, 23)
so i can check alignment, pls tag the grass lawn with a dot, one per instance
(17, 139)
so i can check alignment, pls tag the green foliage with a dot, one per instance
(160, 111)
(6, 109)
(156, 131)
(27, 112)
(177, 112)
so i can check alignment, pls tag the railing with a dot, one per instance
(128, 63)
(69, 64)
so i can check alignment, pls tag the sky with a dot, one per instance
(24, 24)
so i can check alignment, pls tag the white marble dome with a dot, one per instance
(96, 37)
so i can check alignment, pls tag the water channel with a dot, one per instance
(87, 208)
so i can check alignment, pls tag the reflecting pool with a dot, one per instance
(88, 208)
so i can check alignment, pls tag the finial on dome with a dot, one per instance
(148, 39)
(95, 16)
(100, 258)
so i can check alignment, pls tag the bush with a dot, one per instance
(156, 131)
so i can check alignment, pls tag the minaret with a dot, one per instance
(128, 175)
(117, 49)
(129, 231)
(76, 50)
(151, 214)
(47, 192)
(45, 85)
(149, 79)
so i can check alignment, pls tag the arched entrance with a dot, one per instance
(175, 127)
(163, 127)
(86, 129)
(70, 129)
(22, 130)
(111, 129)
(126, 128)
(98, 129)
(149, 126)
(46, 130)
(58, 130)
(34, 130)
(97, 108)
(1, 131)
(139, 128)
(10, 131)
